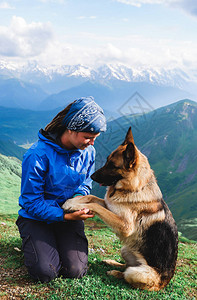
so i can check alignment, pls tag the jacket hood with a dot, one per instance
(53, 140)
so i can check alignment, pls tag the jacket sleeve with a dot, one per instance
(32, 200)
(86, 186)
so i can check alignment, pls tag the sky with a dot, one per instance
(136, 33)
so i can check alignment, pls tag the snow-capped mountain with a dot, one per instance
(57, 78)
(41, 88)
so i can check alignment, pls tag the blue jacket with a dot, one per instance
(50, 176)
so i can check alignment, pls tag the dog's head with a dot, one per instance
(119, 163)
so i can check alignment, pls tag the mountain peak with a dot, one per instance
(160, 76)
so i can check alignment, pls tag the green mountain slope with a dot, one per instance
(10, 178)
(22, 125)
(9, 148)
(168, 137)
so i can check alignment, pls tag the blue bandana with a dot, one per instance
(85, 115)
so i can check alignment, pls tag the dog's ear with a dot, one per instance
(128, 138)
(129, 155)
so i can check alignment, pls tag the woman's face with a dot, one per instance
(78, 140)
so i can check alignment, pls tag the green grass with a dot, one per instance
(96, 284)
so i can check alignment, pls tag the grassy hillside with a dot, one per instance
(10, 177)
(103, 244)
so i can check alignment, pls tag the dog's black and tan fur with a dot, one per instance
(135, 210)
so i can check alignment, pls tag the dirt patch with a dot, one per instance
(16, 284)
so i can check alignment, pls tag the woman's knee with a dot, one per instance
(43, 272)
(74, 271)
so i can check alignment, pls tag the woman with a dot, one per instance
(58, 167)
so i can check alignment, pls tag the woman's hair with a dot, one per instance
(56, 125)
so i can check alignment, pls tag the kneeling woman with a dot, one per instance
(58, 167)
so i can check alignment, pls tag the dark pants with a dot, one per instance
(55, 249)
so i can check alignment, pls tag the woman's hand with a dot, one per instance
(82, 214)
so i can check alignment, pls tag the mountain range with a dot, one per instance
(38, 88)
(17, 93)
(57, 78)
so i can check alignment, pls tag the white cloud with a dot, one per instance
(6, 5)
(86, 17)
(36, 41)
(112, 52)
(189, 6)
(53, 1)
(133, 51)
(24, 40)
(139, 3)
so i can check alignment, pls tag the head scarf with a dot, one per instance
(85, 115)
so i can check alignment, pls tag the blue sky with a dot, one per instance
(137, 33)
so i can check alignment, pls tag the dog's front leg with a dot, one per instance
(117, 223)
(93, 199)
(80, 202)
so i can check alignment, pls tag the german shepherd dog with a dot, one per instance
(135, 210)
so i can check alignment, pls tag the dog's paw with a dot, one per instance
(70, 205)
(107, 261)
(113, 263)
(76, 203)
(116, 274)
